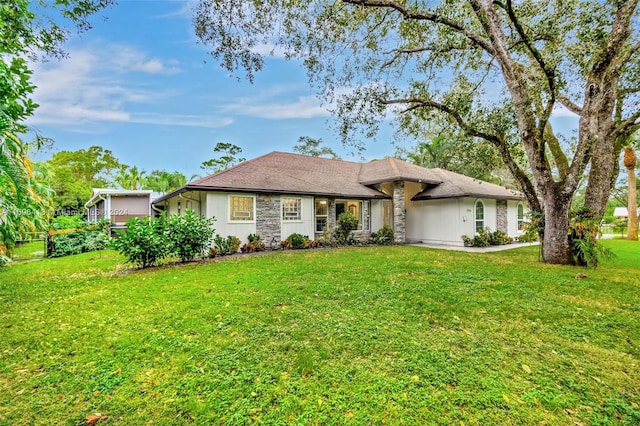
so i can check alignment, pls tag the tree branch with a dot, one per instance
(569, 104)
(497, 140)
(549, 73)
(427, 16)
(399, 52)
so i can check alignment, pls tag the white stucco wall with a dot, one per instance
(445, 221)
(305, 226)
(218, 206)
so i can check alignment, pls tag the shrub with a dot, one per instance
(226, 246)
(4, 260)
(83, 237)
(486, 238)
(327, 238)
(309, 243)
(145, 242)
(532, 228)
(189, 235)
(584, 228)
(499, 238)
(68, 222)
(384, 236)
(254, 244)
(347, 222)
(296, 241)
(620, 225)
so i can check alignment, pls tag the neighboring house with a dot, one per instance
(622, 213)
(278, 194)
(118, 205)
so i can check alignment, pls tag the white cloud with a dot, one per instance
(263, 106)
(98, 84)
(270, 50)
(562, 111)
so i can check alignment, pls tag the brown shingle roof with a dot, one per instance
(456, 185)
(285, 173)
(280, 172)
(392, 169)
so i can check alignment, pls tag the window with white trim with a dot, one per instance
(241, 208)
(479, 216)
(322, 213)
(291, 209)
(520, 217)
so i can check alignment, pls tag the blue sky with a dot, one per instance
(140, 85)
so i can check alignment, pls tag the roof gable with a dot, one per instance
(455, 185)
(393, 169)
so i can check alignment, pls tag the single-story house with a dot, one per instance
(118, 205)
(279, 194)
(622, 213)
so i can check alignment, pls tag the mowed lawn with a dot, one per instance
(374, 335)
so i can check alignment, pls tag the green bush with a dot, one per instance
(584, 228)
(4, 260)
(83, 237)
(384, 236)
(486, 238)
(347, 222)
(145, 241)
(68, 222)
(254, 244)
(296, 241)
(189, 235)
(226, 246)
(499, 238)
(327, 238)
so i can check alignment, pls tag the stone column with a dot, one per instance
(399, 213)
(268, 218)
(502, 215)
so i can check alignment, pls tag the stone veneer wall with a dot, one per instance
(399, 213)
(268, 218)
(502, 215)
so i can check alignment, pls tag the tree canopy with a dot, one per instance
(497, 70)
(28, 30)
(314, 147)
(227, 156)
(73, 175)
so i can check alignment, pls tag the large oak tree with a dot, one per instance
(496, 69)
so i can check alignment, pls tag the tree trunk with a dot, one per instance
(555, 241)
(632, 207)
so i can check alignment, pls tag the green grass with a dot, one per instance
(29, 250)
(376, 335)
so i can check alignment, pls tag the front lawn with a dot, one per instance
(375, 335)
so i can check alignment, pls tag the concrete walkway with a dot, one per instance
(475, 249)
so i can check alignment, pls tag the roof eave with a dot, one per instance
(419, 197)
(377, 195)
(400, 178)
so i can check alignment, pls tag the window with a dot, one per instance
(322, 212)
(353, 206)
(520, 216)
(241, 208)
(479, 216)
(291, 209)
